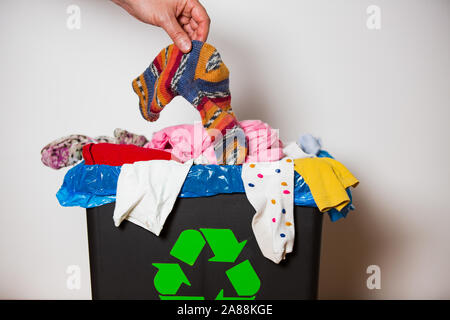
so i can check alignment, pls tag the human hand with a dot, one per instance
(183, 20)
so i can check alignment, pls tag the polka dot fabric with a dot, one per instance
(269, 188)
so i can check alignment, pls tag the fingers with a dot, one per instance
(192, 24)
(177, 34)
(202, 21)
(189, 30)
(184, 20)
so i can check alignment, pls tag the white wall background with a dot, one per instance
(379, 99)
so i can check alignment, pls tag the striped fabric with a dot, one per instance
(201, 77)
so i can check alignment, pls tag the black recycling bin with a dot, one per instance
(130, 262)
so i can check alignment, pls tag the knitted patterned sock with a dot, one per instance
(67, 151)
(125, 137)
(201, 77)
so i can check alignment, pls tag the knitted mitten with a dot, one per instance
(201, 77)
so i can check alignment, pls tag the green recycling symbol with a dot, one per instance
(188, 247)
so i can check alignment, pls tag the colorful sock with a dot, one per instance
(104, 139)
(67, 151)
(269, 187)
(201, 77)
(64, 151)
(126, 137)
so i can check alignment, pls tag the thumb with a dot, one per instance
(177, 34)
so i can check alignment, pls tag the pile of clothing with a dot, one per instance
(220, 155)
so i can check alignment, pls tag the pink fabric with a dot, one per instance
(189, 141)
(185, 141)
(264, 144)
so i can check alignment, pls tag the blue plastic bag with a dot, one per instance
(90, 186)
(302, 193)
(94, 185)
(209, 180)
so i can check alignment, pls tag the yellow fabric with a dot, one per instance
(327, 179)
(216, 75)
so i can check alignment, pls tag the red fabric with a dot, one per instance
(119, 154)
